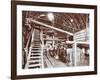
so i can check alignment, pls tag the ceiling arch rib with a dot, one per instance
(60, 22)
(69, 20)
(73, 22)
(81, 22)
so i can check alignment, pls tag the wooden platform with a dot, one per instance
(51, 62)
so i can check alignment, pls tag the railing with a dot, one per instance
(28, 44)
(42, 45)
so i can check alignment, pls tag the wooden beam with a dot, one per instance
(49, 26)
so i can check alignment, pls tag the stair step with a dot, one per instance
(36, 48)
(36, 51)
(34, 61)
(34, 65)
(37, 40)
(36, 44)
(35, 58)
(34, 55)
(39, 43)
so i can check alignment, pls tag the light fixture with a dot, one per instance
(71, 20)
(50, 16)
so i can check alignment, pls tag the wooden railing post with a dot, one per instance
(28, 48)
(42, 45)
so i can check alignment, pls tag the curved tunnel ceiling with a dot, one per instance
(71, 22)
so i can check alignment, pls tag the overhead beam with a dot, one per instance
(49, 26)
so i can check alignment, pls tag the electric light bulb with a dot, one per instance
(50, 16)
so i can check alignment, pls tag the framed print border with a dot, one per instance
(14, 37)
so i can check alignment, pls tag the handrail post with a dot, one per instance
(42, 45)
(28, 48)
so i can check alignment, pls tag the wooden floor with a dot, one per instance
(51, 62)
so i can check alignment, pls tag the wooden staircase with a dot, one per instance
(35, 56)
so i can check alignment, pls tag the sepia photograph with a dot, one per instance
(53, 39)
